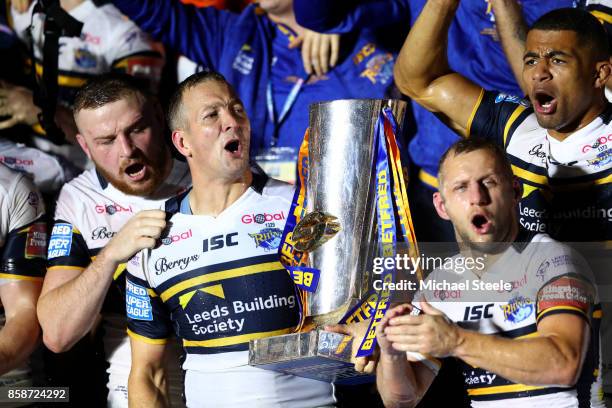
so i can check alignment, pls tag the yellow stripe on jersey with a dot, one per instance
(529, 176)
(146, 339)
(64, 80)
(232, 340)
(550, 309)
(468, 127)
(527, 336)
(151, 292)
(428, 179)
(215, 276)
(120, 269)
(74, 268)
(519, 109)
(601, 16)
(500, 389)
(597, 314)
(21, 277)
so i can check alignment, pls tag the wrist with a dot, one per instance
(460, 338)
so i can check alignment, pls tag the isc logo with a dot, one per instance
(219, 241)
(478, 312)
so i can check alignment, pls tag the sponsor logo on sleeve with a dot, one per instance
(137, 302)
(36, 241)
(61, 241)
(503, 97)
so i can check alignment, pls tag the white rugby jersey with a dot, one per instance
(216, 282)
(23, 239)
(90, 211)
(567, 186)
(108, 41)
(530, 280)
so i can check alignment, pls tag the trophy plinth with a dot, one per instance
(317, 354)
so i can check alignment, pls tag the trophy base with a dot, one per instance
(318, 355)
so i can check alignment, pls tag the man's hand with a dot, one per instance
(358, 332)
(141, 231)
(319, 51)
(386, 346)
(431, 333)
(17, 103)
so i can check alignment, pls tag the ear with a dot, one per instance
(517, 187)
(181, 143)
(438, 202)
(83, 144)
(603, 70)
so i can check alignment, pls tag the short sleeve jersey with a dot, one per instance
(90, 211)
(567, 190)
(531, 280)
(23, 242)
(216, 282)
(108, 42)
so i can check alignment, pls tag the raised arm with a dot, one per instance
(346, 16)
(197, 33)
(72, 296)
(20, 334)
(422, 72)
(512, 30)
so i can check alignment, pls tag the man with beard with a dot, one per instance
(217, 283)
(99, 224)
(523, 319)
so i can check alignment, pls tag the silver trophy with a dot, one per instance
(339, 235)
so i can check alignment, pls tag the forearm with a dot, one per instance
(423, 57)
(18, 339)
(533, 361)
(396, 382)
(147, 389)
(512, 30)
(68, 312)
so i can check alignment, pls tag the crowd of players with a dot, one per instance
(137, 142)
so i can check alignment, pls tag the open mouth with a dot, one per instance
(233, 147)
(481, 224)
(545, 103)
(135, 171)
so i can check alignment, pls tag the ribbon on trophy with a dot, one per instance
(316, 228)
(294, 260)
(388, 178)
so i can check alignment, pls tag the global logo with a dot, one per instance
(262, 218)
(268, 238)
(112, 209)
(176, 237)
(517, 309)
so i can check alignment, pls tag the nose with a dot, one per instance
(541, 71)
(478, 194)
(125, 144)
(230, 120)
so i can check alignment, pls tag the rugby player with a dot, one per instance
(99, 224)
(216, 282)
(533, 342)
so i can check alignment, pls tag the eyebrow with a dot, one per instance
(554, 53)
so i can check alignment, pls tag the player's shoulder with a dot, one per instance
(273, 188)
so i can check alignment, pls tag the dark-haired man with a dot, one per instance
(222, 285)
(523, 320)
(99, 224)
(559, 142)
